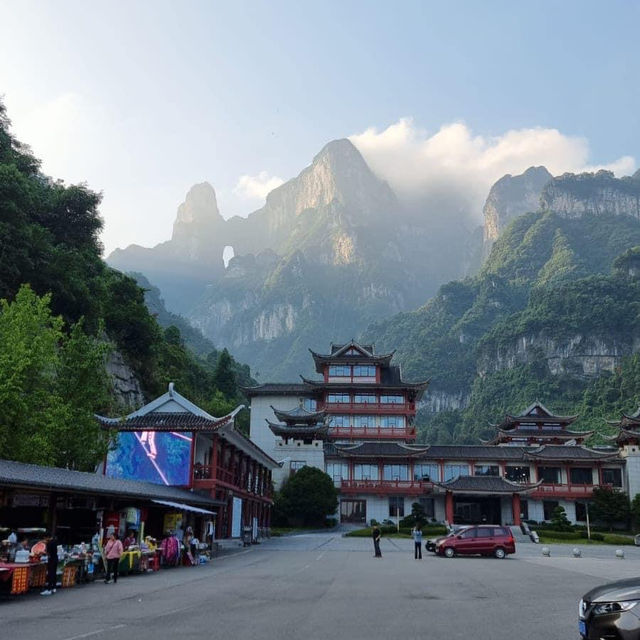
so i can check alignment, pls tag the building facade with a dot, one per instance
(173, 442)
(356, 422)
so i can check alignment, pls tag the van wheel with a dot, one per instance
(449, 552)
(499, 553)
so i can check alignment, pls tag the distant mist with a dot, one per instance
(448, 174)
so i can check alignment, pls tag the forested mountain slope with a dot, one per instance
(553, 315)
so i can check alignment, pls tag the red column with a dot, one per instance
(214, 459)
(515, 506)
(448, 507)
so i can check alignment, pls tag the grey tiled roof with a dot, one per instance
(560, 452)
(485, 484)
(278, 389)
(164, 421)
(474, 452)
(18, 474)
(378, 450)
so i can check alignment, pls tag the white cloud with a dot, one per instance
(256, 187)
(455, 169)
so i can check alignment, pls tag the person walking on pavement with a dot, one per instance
(376, 535)
(416, 532)
(52, 565)
(112, 551)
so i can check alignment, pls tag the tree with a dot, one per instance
(308, 497)
(635, 511)
(609, 506)
(50, 385)
(224, 377)
(559, 520)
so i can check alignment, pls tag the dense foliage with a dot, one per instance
(56, 333)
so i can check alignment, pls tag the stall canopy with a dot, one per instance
(182, 507)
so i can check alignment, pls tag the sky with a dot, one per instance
(142, 99)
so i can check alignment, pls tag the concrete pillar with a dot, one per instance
(515, 506)
(448, 507)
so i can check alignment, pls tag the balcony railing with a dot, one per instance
(370, 407)
(405, 487)
(204, 475)
(373, 432)
(565, 490)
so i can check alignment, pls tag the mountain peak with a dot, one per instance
(200, 205)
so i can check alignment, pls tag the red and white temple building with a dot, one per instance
(356, 422)
(172, 441)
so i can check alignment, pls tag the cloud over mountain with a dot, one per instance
(256, 187)
(454, 169)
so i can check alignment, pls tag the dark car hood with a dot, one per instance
(615, 591)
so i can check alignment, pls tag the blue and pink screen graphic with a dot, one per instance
(163, 457)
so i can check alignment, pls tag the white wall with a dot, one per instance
(632, 471)
(295, 450)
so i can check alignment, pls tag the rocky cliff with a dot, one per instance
(331, 251)
(510, 197)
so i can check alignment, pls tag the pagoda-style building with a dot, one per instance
(537, 425)
(355, 421)
(628, 430)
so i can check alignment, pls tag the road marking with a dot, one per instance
(320, 556)
(96, 632)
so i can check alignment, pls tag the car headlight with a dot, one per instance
(612, 607)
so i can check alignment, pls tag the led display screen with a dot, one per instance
(163, 457)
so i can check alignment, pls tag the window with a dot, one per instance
(392, 399)
(338, 471)
(581, 475)
(469, 533)
(340, 421)
(549, 475)
(338, 398)
(365, 398)
(340, 371)
(362, 371)
(363, 422)
(365, 471)
(452, 471)
(485, 532)
(517, 474)
(486, 470)
(310, 404)
(392, 422)
(428, 504)
(612, 477)
(427, 472)
(296, 465)
(396, 472)
(581, 511)
(548, 506)
(396, 507)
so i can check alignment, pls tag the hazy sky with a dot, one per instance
(143, 99)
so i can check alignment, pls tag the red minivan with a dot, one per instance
(482, 539)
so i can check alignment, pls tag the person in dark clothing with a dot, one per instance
(52, 565)
(376, 535)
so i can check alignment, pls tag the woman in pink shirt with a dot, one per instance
(112, 552)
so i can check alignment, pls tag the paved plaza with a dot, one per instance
(324, 586)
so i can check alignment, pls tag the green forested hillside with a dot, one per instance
(498, 341)
(63, 311)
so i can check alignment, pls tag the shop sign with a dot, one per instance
(172, 522)
(29, 500)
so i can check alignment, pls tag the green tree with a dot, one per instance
(635, 511)
(559, 520)
(224, 376)
(50, 385)
(609, 506)
(308, 497)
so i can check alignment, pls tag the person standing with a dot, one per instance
(376, 535)
(52, 565)
(112, 551)
(416, 532)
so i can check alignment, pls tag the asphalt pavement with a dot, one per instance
(323, 586)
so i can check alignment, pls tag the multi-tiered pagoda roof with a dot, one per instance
(299, 423)
(628, 429)
(537, 425)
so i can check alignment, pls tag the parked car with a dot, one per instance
(430, 544)
(611, 611)
(483, 539)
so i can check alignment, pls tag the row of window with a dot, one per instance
(431, 472)
(357, 371)
(363, 398)
(361, 422)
